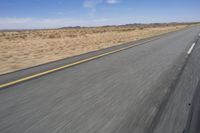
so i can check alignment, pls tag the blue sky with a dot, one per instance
(22, 14)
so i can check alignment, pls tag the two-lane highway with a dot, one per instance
(118, 93)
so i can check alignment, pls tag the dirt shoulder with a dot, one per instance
(23, 49)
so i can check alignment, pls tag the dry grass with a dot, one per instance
(24, 49)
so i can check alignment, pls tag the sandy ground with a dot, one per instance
(24, 49)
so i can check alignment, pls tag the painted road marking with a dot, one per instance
(72, 64)
(191, 48)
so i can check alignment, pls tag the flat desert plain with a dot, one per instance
(23, 49)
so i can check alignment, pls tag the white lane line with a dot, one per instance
(191, 48)
(199, 34)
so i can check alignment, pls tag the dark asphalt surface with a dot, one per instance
(194, 114)
(176, 113)
(119, 93)
(48, 66)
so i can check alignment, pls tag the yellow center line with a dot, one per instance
(69, 65)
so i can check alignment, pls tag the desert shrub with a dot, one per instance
(7, 37)
(141, 28)
(23, 36)
(52, 36)
(72, 35)
(58, 35)
(2, 34)
(128, 29)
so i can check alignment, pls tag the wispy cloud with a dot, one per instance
(14, 20)
(91, 3)
(26, 23)
(113, 1)
(95, 3)
(36, 23)
(59, 13)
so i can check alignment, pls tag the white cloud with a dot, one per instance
(113, 1)
(95, 3)
(91, 3)
(59, 13)
(91, 6)
(14, 20)
(32, 23)
(37, 23)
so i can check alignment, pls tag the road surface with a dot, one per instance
(142, 89)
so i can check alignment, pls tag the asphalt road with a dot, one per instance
(182, 108)
(132, 91)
